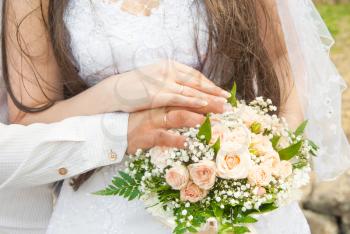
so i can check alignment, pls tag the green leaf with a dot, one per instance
(134, 194)
(267, 207)
(300, 130)
(126, 177)
(205, 130)
(314, 148)
(233, 99)
(192, 229)
(109, 191)
(216, 146)
(289, 152)
(240, 230)
(119, 182)
(246, 219)
(124, 186)
(275, 141)
(218, 212)
(300, 164)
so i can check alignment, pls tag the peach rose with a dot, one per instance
(192, 193)
(284, 169)
(261, 144)
(177, 177)
(159, 156)
(259, 175)
(232, 163)
(203, 174)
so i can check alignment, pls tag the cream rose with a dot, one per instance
(218, 131)
(159, 156)
(233, 163)
(271, 160)
(261, 144)
(177, 177)
(192, 193)
(284, 169)
(260, 175)
(249, 116)
(203, 174)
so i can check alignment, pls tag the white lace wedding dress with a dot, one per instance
(105, 41)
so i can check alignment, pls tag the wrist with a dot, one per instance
(113, 103)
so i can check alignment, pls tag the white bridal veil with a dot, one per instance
(318, 83)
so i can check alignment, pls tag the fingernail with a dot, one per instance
(220, 99)
(228, 107)
(226, 94)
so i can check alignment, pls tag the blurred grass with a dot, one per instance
(337, 18)
(335, 15)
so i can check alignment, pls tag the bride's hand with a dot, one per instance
(167, 83)
(149, 128)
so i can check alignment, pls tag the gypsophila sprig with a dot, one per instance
(235, 167)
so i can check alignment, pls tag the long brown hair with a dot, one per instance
(236, 51)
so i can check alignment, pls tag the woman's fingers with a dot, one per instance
(170, 99)
(191, 92)
(212, 107)
(191, 77)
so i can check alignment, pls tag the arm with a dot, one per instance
(39, 154)
(273, 38)
(35, 79)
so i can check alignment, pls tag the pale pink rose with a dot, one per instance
(260, 191)
(192, 193)
(159, 156)
(260, 175)
(261, 144)
(284, 169)
(233, 163)
(177, 177)
(203, 174)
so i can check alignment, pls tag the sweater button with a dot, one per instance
(63, 171)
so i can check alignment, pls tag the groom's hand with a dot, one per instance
(149, 128)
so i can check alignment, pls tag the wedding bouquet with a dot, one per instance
(235, 167)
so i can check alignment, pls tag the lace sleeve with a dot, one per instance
(318, 83)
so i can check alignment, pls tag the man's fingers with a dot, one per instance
(162, 137)
(183, 118)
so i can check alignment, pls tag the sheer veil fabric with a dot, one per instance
(318, 83)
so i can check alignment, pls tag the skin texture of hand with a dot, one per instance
(164, 84)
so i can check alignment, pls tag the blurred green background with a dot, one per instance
(327, 205)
